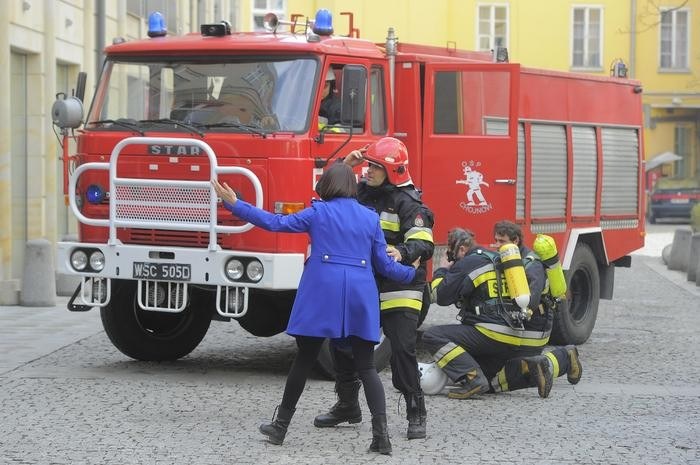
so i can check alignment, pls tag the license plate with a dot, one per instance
(162, 271)
(679, 200)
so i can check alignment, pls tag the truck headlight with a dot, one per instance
(254, 270)
(97, 260)
(78, 260)
(234, 269)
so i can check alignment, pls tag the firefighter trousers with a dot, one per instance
(461, 349)
(400, 327)
(559, 358)
(514, 376)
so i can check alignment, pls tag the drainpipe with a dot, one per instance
(633, 37)
(100, 35)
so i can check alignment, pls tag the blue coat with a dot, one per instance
(337, 295)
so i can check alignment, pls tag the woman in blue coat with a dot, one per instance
(337, 296)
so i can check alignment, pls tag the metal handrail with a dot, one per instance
(114, 181)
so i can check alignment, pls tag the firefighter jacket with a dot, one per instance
(407, 224)
(472, 284)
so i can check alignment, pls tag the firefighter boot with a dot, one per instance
(380, 435)
(573, 374)
(470, 385)
(540, 373)
(416, 415)
(276, 430)
(346, 409)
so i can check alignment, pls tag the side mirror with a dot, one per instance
(80, 86)
(353, 96)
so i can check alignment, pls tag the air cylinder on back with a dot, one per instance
(514, 272)
(545, 247)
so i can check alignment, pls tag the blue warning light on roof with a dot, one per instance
(323, 25)
(156, 25)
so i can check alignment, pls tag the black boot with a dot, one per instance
(380, 435)
(276, 430)
(416, 415)
(346, 409)
(540, 373)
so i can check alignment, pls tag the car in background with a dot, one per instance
(673, 198)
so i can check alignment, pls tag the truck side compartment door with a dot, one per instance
(470, 145)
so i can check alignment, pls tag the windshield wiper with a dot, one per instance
(178, 123)
(120, 122)
(230, 124)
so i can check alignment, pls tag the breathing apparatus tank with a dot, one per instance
(512, 265)
(545, 247)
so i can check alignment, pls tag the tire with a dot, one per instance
(575, 318)
(324, 364)
(268, 312)
(155, 336)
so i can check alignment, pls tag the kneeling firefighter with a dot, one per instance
(407, 224)
(493, 330)
(563, 360)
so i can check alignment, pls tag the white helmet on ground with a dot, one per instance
(432, 379)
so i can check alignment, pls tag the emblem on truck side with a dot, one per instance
(473, 179)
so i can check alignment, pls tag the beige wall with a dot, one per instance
(44, 34)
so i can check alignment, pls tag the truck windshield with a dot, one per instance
(245, 96)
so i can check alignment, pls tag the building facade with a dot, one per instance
(45, 43)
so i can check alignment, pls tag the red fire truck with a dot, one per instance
(559, 153)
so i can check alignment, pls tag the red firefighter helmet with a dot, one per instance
(392, 155)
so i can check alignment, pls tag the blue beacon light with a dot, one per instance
(323, 24)
(95, 194)
(156, 25)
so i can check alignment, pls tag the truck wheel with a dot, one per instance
(155, 336)
(268, 312)
(324, 364)
(575, 318)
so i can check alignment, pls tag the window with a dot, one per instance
(492, 27)
(262, 7)
(587, 37)
(673, 41)
(377, 104)
(212, 95)
(473, 103)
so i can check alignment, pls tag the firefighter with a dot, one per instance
(329, 112)
(473, 352)
(563, 359)
(407, 225)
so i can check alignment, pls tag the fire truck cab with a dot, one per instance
(556, 152)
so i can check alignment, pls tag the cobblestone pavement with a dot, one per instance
(67, 396)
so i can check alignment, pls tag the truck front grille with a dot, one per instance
(165, 237)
